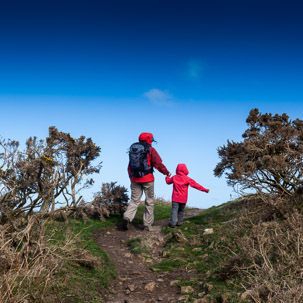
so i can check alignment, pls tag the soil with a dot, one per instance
(137, 282)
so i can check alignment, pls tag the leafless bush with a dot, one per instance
(269, 160)
(46, 174)
(112, 199)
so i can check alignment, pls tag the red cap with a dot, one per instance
(146, 137)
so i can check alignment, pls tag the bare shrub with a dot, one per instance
(112, 199)
(47, 174)
(268, 253)
(269, 160)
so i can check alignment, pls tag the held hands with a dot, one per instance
(169, 174)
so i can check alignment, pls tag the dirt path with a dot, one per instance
(136, 282)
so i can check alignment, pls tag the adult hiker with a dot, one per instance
(143, 158)
(180, 193)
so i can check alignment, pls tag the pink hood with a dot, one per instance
(182, 170)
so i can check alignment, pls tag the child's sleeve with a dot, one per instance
(169, 180)
(196, 185)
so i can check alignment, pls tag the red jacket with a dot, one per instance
(180, 184)
(155, 161)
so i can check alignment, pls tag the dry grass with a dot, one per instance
(29, 260)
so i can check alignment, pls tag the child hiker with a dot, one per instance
(180, 192)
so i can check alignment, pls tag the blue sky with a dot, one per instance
(187, 71)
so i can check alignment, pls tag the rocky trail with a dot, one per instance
(137, 282)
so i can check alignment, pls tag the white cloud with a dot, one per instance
(159, 97)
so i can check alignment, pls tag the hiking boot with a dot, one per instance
(172, 226)
(125, 224)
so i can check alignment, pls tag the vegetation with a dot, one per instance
(45, 255)
(268, 161)
(270, 157)
(253, 254)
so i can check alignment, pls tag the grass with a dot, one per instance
(162, 210)
(204, 254)
(79, 282)
(76, 282)
(135, 246)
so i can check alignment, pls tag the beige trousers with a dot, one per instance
(136, 194)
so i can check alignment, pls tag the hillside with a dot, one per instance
(241, 251)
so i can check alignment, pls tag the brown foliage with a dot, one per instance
(112, 199)
(45, 173)
(268, 249)
(270, 157)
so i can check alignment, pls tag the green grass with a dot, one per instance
(162, 210)
(169, 265)
(135, 246)
(75, 282)
(205, 254)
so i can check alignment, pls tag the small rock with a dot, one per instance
(197, 249)
(201, 294)
(183, 299)
(160, 280)
(150, 286)
(127, 291)
(128, 255)
(179, 237)
(131, 287)
(186, 290)
(208, 231)
(180, 248)
(174, 282)
(159, 299)
(148, 260)
(108, 232)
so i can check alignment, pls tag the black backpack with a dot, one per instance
(138, 159)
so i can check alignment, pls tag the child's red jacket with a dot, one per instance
(180, 184)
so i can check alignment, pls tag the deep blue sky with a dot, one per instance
(188, 71)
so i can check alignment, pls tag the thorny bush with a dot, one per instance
(270, 158)
(268, 251)
(112, 199)
(46, 174)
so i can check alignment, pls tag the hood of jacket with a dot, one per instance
(182, 169)
(146, 137)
